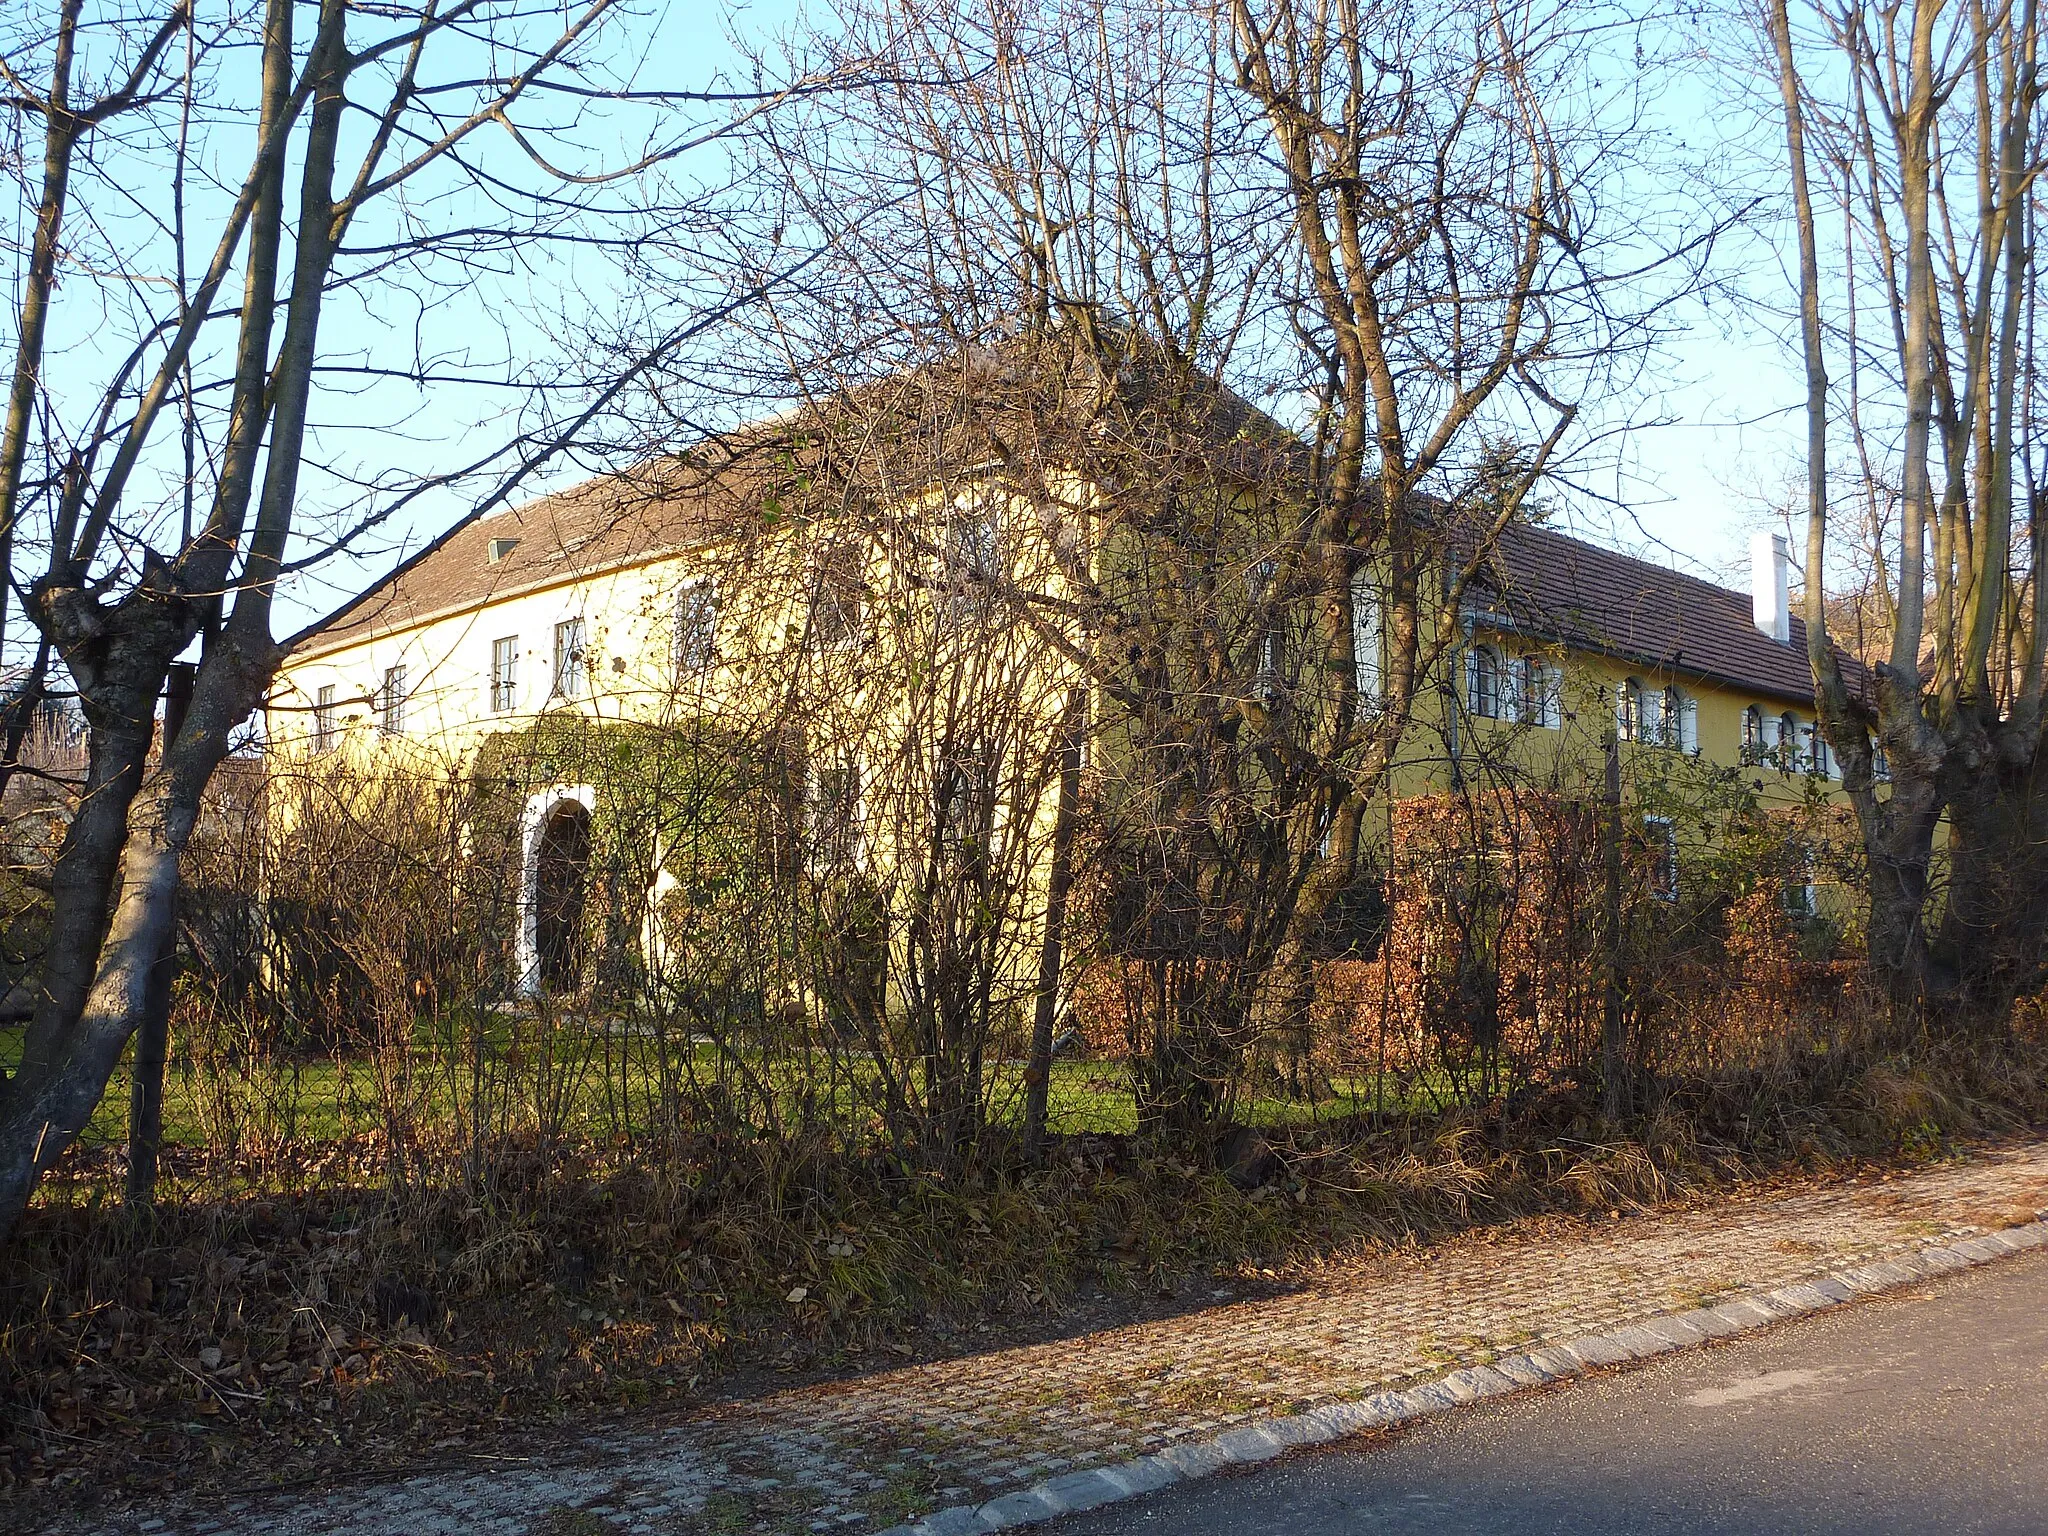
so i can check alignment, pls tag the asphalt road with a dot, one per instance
(1922, 1411)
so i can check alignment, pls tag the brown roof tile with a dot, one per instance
(919, 426)
(605, 523)
(888, 438)
(1558, 588)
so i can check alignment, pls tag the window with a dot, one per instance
(1880, 765)
(1679, 721)
(963, 813)
(1785, 749)
(1483, 682)
(326, 725)
(1536, 692)
(1269, 640)
(973, 558)
(838, 589)
(1752, 735)
(1629, 724)
(391, 702)
(505, 674)
(835, 815)
(1802, 903)
(569, 671)
(1800, 900)
(1366, 638)
(500, 548)
(696, 627)
(1814, 754)
(1663, 836)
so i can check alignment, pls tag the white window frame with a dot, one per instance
(1485, 679)
(504, 683)
(1649, 717)
(1800, 896)
(836, 849)
(391, 700)
(1367, 640)
(697, 604)
(971, 555)
(1752, 752)
(1817, 756)
(1663, 833)
(963, 793)
(1629, 716)
(1538, 692)
(572, 671)
(1269, 657)
(326, 726)
(839, 592)
(1787, 743)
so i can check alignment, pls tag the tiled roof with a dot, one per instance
(888, 439)
(1557, 588)
(970, 410)
(605, 523)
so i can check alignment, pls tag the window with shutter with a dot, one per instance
(1482, 682)
(1753, 734)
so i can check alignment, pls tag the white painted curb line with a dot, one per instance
(1247, 1444)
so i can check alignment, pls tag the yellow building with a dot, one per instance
(730, 588)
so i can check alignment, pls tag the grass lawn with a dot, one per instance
(584, 1081)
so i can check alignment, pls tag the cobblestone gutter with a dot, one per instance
(1018, 1435)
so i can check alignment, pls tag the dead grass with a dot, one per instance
(382, 1321)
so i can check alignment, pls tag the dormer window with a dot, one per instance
(502, 547)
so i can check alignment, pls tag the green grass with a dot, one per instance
(451, 1074)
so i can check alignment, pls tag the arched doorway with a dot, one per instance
(561, 872)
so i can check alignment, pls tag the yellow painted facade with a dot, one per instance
(624, 643)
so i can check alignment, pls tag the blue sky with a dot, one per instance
(1693, 490)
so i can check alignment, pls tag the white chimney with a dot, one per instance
(1769, 586)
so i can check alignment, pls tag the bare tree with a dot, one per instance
(318, 177)
(1913, 179)
(1090, 202)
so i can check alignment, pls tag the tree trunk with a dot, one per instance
(1059, 883)
(47, 1108)
(152, 1036)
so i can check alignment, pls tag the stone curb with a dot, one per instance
(1247, 1444)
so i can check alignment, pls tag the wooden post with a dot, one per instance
(153, 1034)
